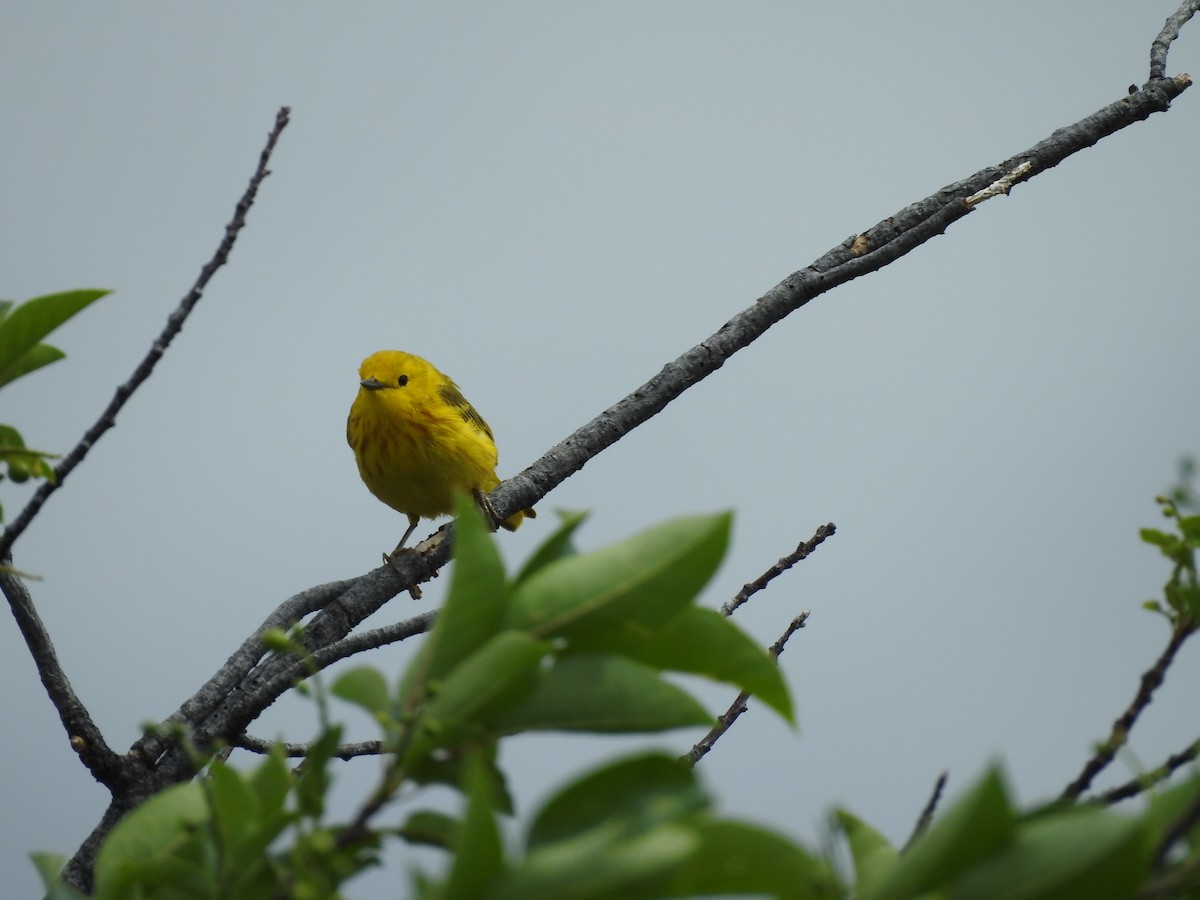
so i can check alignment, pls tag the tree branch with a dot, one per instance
(1152, 679)
(240, 664)
(1170, 31)
(83, 734)
(926, 816)
(376, 637)
(738, 706)
(1135, 786)
(344, 751)
(860, 254)
(175, 321)
(802, 551)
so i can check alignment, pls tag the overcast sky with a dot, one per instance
(550, 201)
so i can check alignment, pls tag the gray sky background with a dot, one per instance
(550, 201)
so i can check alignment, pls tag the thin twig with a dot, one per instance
(1138, 785)
(240, 664)
(82, 733)
(930, 808)
(376, 637)
(175, 321)
(1152, 679)
(344, 751)
(1170, 31)
(802, 551)
(1178, 829)
(738, 706)
(130, 788)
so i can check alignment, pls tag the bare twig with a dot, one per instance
(930, 808)
(1136, 786)
(1001, 186)
(344, 751)
(1152, 679)
(84, 736)
(858, 255)
(175, 321)
(738, 706)
(128, 784)
(802, 551)
(376, 637)
(241, 663)
(1177, 830)
(1170, 31)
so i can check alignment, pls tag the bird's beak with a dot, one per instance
(372, 384)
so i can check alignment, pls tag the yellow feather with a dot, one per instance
(417, 440)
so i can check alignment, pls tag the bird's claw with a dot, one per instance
(390, 559)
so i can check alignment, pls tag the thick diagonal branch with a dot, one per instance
(856, 256)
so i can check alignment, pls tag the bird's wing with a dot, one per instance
(450, 393)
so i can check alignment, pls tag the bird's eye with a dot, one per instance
(402, 380)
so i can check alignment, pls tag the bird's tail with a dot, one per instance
(513, 522)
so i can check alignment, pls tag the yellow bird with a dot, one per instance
(417, 440)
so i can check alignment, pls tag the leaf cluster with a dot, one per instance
(581, 643)
(1182, 590)
(575, 643)
(982, 847)
(21, 352)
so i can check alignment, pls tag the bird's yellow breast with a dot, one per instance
(415, 439)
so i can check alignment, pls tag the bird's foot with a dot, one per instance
(391, 560)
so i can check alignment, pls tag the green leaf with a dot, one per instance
(974, 828)
(312, 786)
(449, 769)
(475, 604)
(873, 855)
(149, 844)
(599, 864)
(1155, 607)
(478, 597)
(490, 680)
(478, 852)
(1087, 853)
(271, 783)
(1155, 537)
(1184, 598)
(1166, 806)
(35, 358)
(645, 790)
(367, 689)
(637, 584)
(235, 808)
(558, 546)
(25, 326)
(704, 642)
(430, 828)
(49, 865)
(737, 859)
(1189, 527)
(23, 463)
(603, 694)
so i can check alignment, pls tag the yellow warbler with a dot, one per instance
(417, 440)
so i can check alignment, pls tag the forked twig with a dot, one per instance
(1152, 679)
(725, 722)
(175, 321)
(84, 736)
